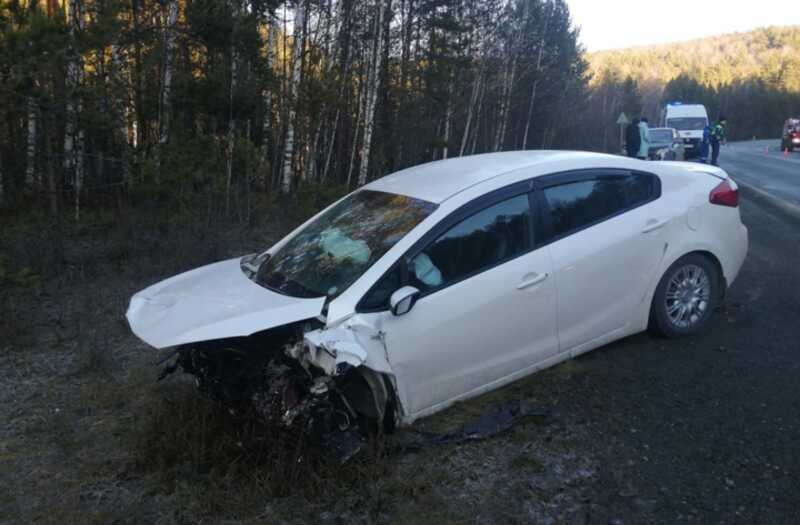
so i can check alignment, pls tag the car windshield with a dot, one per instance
(688, 123)
(660, 135)
(335, 249)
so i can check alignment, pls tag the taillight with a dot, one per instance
(724, 195)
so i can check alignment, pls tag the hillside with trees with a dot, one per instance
(128, 101)
(752, 78)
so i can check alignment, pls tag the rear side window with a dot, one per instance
(575, 205)
(483, 240)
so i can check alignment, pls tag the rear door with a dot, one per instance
(606, 234)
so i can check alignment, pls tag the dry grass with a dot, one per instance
(91, 437)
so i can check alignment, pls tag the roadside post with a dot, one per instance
(622, 121)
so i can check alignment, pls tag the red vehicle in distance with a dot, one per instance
(791, 135)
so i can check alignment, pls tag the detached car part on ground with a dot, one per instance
(447, 280)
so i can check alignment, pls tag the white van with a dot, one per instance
(689, 120)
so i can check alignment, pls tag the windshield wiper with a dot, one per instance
(278, 282)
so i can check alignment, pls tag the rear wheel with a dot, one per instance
(685, 296)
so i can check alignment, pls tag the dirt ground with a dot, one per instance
(644, 430)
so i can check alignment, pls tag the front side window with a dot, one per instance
(487, 238)
(575, 205)
(335, 249)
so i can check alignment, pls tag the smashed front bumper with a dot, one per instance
(292, 378)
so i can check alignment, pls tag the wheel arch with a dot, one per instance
(383, 407)
(668, 261)
(653, 319)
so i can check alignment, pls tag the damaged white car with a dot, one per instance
(449, 279)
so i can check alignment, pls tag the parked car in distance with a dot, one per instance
(790, 138)
(666, 144)
(450, 279)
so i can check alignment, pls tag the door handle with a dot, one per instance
(535, 279)
(652, 225)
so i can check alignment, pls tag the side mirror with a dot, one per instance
(403, 300)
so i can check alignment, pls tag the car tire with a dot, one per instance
(685, 297)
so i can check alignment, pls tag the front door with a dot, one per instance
(487, 308)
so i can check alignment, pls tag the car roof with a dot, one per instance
(439, 180)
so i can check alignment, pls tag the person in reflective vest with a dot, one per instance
(717, 136)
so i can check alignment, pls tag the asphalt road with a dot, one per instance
(707, 429)
(760, 163)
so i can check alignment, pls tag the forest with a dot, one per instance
(751, 78)
(108, 103)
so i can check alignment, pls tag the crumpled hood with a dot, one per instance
(212, 302)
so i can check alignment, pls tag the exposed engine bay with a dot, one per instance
(268, 375)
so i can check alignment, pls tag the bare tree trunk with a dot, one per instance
(120, 111)
(74, 134)
(359, 117)
(137, 128)
(266, 125)
(330, 47)
(166, 85)
(478, 118)
(50, 168)
(374, 82)
(508, 81)
(448, 114)
(298, 47)
(231, 141)
(343, 44)
(499, 135)
(30, 168)
(536, 81)
(473, 99)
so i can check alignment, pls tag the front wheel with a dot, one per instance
(685, 296)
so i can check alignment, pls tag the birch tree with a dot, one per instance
(231, 140)
(266, 94)
(298, 47)
(373, 82)
(509, 78)
(166, 80)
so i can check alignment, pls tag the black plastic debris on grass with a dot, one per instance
(343, 445)
(497, 419)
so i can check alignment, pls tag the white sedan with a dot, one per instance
(449, 279)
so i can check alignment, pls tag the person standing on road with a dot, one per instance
(705, 145)
(632, 138)
(718, 136)
(644, 137)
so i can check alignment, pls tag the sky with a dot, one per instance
(612, 24)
